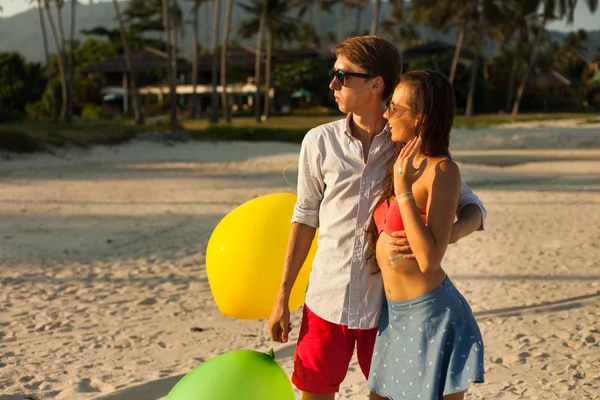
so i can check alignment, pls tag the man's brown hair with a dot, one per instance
(377, 56)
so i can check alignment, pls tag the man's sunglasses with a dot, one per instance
(340, 75)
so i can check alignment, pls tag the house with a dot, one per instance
(241, 63)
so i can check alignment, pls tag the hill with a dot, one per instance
(22, 32)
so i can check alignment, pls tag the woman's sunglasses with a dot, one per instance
(396, 110)
(340, 76)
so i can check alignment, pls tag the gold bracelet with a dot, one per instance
(404, 197)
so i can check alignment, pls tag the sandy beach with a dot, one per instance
(104, 294)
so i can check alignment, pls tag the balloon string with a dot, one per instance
(290, 164)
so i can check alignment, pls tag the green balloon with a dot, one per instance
(235, 375)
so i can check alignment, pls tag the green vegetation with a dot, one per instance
(65, 102)
(35, 136)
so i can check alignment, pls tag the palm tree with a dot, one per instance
(375, 22)
(566, 8)
(49, 74)
(272, 15)
(459, 42)
(70, 71)
(195, 54)
(207, 19)
(317, 8)
(224, 44)
(59, 4)
(310, 33)
(359, 6)
(176, 26)
(172, 84)
(247, 31)
(214, 106)
(341, 34)
(268, 57)
(137, 102)
(478, 9)
(444, 15)
(491, 17)
(59, 58)
(517, 23)
(575, 62)
(399, 25)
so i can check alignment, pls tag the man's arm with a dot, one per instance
(301, 238)
(305, 221)
(471, 214)
(470, 219)
(299, 243)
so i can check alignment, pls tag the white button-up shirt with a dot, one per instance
(337, 192)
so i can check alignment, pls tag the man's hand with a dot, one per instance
(279, 322)
(398, 244)
(469, 220)
(455, 235)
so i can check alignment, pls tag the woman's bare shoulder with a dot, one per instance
(442, 165)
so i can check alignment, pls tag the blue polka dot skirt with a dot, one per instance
(427, 347)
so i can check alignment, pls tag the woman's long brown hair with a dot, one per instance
(433, 104)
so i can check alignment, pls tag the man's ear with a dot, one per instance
(378, 85)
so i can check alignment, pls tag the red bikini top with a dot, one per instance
(388, 218)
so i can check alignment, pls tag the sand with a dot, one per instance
(104, 294)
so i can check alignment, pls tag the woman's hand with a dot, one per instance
(405, 173)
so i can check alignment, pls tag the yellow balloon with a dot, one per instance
(245, 255)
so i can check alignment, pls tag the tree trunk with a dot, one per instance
(375, 21)
(224, 44)
(257, 61)
(59, 61)
(457, 49)
(48, 73)
(320, 15)
(195, 55)
(470, 109)
(207, 14)
(172, 90)
(511, 84)
(137, 102)
(397, 9)
(214, 102)
(532, 57)
(70, 62)
(341, 22)
(268, 72)
(175, 27)
(61, 33)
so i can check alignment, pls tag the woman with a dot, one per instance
(428, 345)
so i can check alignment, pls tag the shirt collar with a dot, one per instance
(347, 131)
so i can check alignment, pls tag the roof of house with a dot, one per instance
(142, 60)
(245, 56)
(552, 79)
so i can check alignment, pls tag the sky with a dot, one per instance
(583, 18)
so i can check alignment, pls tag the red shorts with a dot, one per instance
(324, 352)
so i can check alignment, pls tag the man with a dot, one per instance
(341, 167)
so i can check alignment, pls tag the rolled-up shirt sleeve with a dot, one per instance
(311, 185)
(468, 197)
